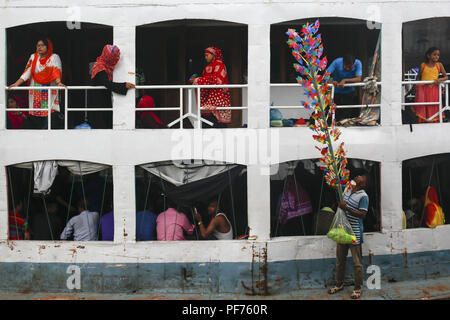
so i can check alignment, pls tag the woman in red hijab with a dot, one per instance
(102, 75)
(214, 73)
(148, 119)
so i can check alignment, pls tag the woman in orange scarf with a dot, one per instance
(43, 69)
(214, 73)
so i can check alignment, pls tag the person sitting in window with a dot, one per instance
(214, 73)
(107, 222)
(219, 226)
(43, 69)
(47, 221)
(147, 119)
(83, 227)
(16, 118)
(146, 224)
(171, 225)
(18, 228)
(102, 75)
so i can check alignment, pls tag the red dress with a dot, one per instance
(215, 73)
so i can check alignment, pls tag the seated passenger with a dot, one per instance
(147, 119)
(146, 224)
(43, 69)
(171, 225)
(46, 222)
(219, 226)
(344, 70)
(107, 223)
(214, 73)
(102, 75)
(16, 118)
(18, 229)
(83, 227)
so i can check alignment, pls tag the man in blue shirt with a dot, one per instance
(343, 71)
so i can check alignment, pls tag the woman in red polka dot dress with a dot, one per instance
(215, 73)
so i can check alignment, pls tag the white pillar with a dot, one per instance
(391, 68)
(258, 197)
(258, 183)
(391, 196)
(124, 115)
(124, 204)
(258, 75)
(3, 205)
(2, 79)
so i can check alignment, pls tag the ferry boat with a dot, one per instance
(246, 165)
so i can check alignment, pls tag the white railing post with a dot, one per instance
(440, 103)
(333, 115)
(181, 108)
(66, 106)
(199, 114)
(49, 110)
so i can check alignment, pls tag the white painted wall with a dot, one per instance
(124, 147)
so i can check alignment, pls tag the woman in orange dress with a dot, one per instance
(429, 71)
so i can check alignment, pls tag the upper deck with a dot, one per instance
(258, 145)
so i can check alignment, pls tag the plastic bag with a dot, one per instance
(341, 231)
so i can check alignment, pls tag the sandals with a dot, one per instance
(356, 294)
(335, 289)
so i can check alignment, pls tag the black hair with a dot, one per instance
(83, 204)
(44, 39)
(430, 51)
(348, 59)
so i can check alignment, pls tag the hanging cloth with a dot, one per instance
(44, 175)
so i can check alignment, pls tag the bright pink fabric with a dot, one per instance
(170, 225)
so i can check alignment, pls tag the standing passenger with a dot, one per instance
(214, 73)
(355, 205)
(102, 75)
(43, 70)
(429, 71)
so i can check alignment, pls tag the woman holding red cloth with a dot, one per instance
(43, 70)
(214, 73)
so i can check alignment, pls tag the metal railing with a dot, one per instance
(190, 113)
(66, 101)
(356, 84)
(407, 86)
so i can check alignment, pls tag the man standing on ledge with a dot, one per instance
(355, 205)
(344, 70)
